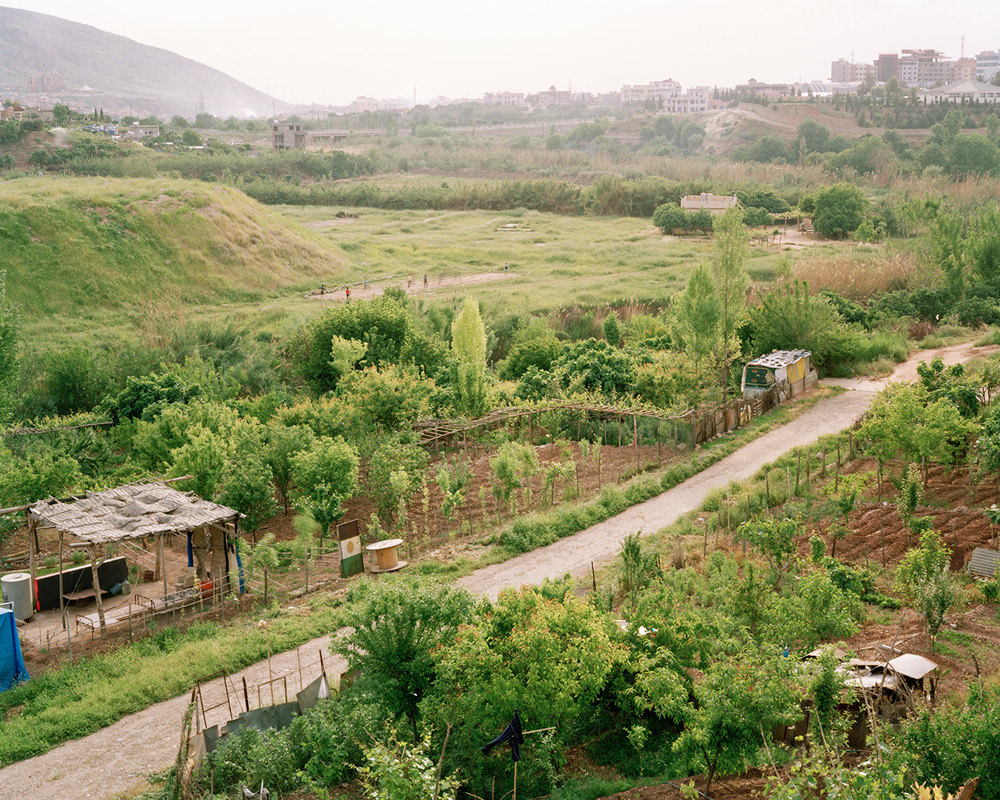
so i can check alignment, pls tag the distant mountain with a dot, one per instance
(116, 73)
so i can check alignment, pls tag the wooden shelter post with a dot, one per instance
(161, 563)
(97, 589)
(32, 538)
(62, 614)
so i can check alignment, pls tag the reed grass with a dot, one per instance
(859, 273)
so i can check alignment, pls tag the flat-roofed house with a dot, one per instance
(713, 203)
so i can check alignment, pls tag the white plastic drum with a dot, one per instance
(16, 589)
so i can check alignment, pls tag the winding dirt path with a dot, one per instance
(114, 761)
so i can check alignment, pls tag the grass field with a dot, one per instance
(88, 257)
(559, 260)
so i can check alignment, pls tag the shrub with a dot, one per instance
(976, 311)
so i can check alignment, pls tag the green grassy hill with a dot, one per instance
(89, 246)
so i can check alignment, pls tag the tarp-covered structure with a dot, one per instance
(12, 670)
(137, 511)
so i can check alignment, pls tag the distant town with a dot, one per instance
(928, 75)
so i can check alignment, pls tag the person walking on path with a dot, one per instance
(347, 292)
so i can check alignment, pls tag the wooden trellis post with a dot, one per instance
(635, 437)
(97, 588)
(32, 538)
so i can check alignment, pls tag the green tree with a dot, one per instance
(612, 330)
(548, 658)
(394, 630)
(729, 275)
(993, 128)
(203, 456)
(383, 324)
(61, 113)
(972, 154)
(732, 711)
(246, 486)
(790, 318)
(948, 243)
(696, 318)
(669, 217)
(468, 343)
(925, 579)
(813, 135)
(325, 476)
(595, 366)
(283, 442)
(385, 400)
(513, 464)
(400, 456)
(10, 337)
(902, 421)
(839, 210)
(774, 539)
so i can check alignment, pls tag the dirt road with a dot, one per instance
(114, 760)
(413, 285)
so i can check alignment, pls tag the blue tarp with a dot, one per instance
(12, 669)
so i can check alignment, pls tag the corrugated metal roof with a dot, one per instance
(983, 563)
(779, 358)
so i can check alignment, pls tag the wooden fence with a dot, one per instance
(611, 425)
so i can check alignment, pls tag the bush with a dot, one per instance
(976, 311)
(839, 210)
(945, 746)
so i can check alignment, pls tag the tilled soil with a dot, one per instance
(115, 760)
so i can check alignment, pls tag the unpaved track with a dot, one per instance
(115, 760)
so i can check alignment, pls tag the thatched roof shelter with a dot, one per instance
(134, 511)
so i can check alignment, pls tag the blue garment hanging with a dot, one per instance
(190, 551)
(12, 670)
(239, 564)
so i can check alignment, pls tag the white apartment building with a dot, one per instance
(504, 98)
(924, 68)
(668, 96)
(987, 65)
(844, 71)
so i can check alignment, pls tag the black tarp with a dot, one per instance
(112, 571)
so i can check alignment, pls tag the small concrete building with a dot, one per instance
(714, 204)
(791, 366)
(287, 136)
(135, 131)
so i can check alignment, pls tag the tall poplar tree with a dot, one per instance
(729, 274)
(468, 343)
(9, 341)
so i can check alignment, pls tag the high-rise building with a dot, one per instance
(844, 71)
(987, 65)
(886, 66)
(924, 68)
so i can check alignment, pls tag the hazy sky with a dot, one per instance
(331, 51)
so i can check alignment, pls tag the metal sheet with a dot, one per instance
(912, 665)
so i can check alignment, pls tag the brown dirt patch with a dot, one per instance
(748, 785)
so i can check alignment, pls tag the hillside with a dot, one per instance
(118, 71)
(80, 245)
(746, 123)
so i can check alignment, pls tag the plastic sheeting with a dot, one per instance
(12, 669)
